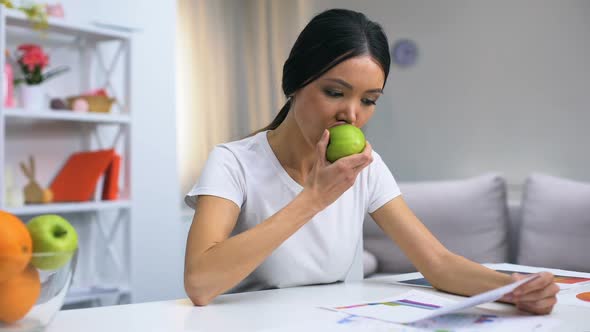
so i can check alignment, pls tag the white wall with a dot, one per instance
(499, 86)
(158, 254)
(157, 238)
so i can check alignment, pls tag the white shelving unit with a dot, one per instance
(18, 113)
(104, 227)
(69, 207)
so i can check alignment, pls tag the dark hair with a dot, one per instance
(330, 38)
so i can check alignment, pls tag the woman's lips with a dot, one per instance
(338, 123)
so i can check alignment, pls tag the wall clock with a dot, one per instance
(404, 53)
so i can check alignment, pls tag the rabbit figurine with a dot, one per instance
(33, 192)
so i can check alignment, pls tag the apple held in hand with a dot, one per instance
(345, 140)
(52, 234)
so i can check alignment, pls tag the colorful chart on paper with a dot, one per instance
(403, 302)
(381, 315)
(414, 303)
(454, 321)
(584, 296)
(446, 323)
(389, 310)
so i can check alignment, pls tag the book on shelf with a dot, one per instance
(87, 175)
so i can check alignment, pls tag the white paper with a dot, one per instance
(489, 296)
(465, 321)
(419, 306)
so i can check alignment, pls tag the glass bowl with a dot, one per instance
(37, 293)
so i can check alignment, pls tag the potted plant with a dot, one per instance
(32, 61)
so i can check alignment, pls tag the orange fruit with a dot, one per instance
(16, 246)
(19, 294)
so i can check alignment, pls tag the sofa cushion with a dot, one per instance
(555, 231)
(469, 217)
(514, 221)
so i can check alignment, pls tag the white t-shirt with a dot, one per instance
(328, 248)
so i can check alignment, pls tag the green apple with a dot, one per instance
(55, 237)
(345, 140)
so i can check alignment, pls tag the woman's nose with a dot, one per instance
(348, 114)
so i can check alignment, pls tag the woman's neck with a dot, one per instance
(294, 152)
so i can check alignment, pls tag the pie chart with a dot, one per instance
(584, 296)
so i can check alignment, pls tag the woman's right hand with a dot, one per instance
(328, 181)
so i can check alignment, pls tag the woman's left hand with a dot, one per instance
(537, 296)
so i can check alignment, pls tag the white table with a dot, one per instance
(291, 309)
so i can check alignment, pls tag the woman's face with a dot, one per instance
(346, 93)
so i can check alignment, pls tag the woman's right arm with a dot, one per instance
(214, 263)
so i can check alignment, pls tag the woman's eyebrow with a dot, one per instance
(349, 86)
(375, 91)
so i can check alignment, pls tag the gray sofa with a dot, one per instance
(549, 227)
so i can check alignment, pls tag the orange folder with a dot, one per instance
(110, 190)
(76, 181)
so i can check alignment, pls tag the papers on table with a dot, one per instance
(419, 311)
(489, 296)
(458, 322)
(411, 307)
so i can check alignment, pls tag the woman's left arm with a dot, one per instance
(453, 273)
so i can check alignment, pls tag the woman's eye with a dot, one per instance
(333, 93)
(369, 102)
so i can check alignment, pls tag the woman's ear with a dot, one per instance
(291, 98)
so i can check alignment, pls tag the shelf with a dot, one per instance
(78, 295)
(99, 56)
(61, 26)
(56, 115)
(68, 207)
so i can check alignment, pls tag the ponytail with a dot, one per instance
(279, 118)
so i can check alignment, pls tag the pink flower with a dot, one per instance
(32, 61)
(25, 48)
(33, 56)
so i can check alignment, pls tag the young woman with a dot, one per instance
(271, 211)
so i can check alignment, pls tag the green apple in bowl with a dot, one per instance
(345, 140)
(52, 234)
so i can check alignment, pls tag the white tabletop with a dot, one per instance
(287, 309)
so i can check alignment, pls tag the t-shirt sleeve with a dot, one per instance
(222, 176)
(382, 186)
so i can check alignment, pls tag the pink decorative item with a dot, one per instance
(97, 92)
(33, 62)
(55, 10)
(80, 105)
(8, 86)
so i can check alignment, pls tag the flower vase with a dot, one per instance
(32, 97)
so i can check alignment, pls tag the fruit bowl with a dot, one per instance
(30, 299)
